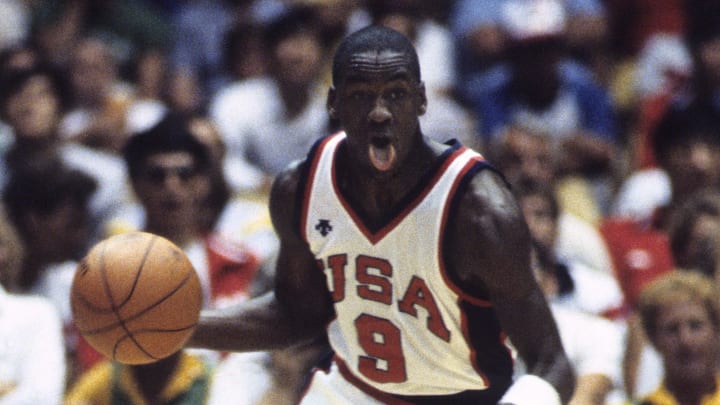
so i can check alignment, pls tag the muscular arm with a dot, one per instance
(491, 255)
(300, 305)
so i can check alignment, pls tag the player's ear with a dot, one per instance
(330, 104)
(422, 107)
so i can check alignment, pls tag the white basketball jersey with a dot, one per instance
(401, 326)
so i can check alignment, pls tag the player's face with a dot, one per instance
(377, 102)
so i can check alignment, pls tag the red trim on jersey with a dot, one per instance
(379, 235)
(381, 396)
(443, 224)
(462, 296)
(506, 343)
(309, 181)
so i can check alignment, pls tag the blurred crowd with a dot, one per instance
(173, 117)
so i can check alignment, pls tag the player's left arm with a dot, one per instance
(490, 255)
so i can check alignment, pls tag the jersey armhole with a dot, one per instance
(451, 210)
(302, 193)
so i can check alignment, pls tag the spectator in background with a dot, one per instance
(683, 72)
(695, 88)
(337, 18)
(199, 30)
(181, 195)
(128, 26)
(173, 177)
(49, 207)
(19, 57)
(181, 378)
(687, 145)
(693, 229)
(56, 28)
(31, 103)
(271, 121)
(99, 98)
(633, 23)
(594, 344)
(582, 288)
(703, 39)
(681, 317)
(15, 30)
(244, 54)
(650, 59)
(537, 84)
(539, 88)
(12, 253)
(32, 350)
(526, 156)
(107, 107)
(245, 221)
(213, 38)
(481, 41)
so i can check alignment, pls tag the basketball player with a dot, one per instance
(411, 255)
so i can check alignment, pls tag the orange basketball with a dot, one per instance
(136, 298)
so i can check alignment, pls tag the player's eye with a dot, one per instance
(360, 95)
(397, 94)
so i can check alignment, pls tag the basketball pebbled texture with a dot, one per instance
(136, 298)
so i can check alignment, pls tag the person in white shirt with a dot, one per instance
(268, 122)
(32, 352)
(595, 345)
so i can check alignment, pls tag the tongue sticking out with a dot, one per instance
(382, 158)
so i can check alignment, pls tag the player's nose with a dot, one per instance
(380, 112)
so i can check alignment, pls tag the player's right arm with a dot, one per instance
(300, 306)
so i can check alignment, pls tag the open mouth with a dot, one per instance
(381, 153)
(380, 141)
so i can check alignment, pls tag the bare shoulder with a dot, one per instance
(299, 286)
(489, 194)
(284, 197)
(488, 235)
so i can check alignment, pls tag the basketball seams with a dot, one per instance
(83, 268)
(164, 330)
(92, 307)
(138, 273)
(141, 319)
(161, 300)
(131, 334)
(121, 321)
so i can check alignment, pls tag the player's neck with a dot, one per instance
(376, 198)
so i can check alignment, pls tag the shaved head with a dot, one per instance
(373, 39)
